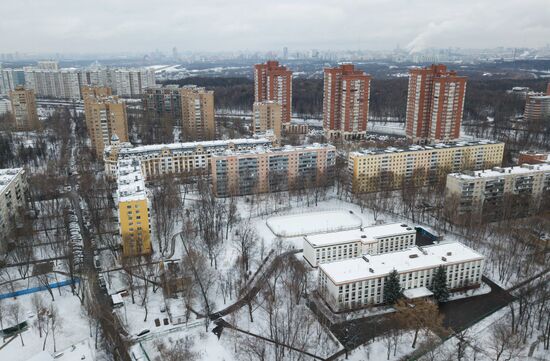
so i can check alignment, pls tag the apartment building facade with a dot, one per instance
(273, 82)
(10, 78)
(373, 170)
(13, 186)
(336, 246)
(53, 83)
(359, 282)
(175, 158)
(162, 101)
(497, 193)
(49, 81)
(128, 82)
(435, 105)
(537, 107)
(272, 169)
(267, 117)
(23, 109)
(197, 113)
(5, 106)
(346, 94)
(133, 209)
(106, 117)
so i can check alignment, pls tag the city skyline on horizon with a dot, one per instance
(215, 26)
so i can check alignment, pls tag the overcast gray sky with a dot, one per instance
(92, 26)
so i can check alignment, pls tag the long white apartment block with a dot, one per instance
(190, 157)
(49, 81)
(358, 282)
(13, 185)
(335, 246)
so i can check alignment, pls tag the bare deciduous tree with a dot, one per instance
(15, 313)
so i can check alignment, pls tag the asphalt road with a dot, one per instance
(110, 324)
(460, 314)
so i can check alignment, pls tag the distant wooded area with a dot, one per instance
(388, 97)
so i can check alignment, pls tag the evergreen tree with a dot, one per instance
(392, 288)
(439, 285)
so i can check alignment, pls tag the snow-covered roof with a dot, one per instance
(286, 148)
(538, 95)
(417, 148)
(131, 185)
(116, 298)
(415, 258)
(7, 176)
(418, 292)
(189, 146)
(365, 235)
(498, 172)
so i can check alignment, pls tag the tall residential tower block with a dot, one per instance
(197, 113)
(106, 117)
(23, 107)
(435, 104)
(345, 102)
(274, 82)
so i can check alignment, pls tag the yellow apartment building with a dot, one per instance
(133, 209)
(373, 170)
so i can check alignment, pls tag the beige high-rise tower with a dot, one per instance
(197, 113)
(105, 117)
(267, 116)
(23, 106)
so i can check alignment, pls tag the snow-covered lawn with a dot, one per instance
(313, 222)
(480, 336)
(377, 350)
(204, 344)
(74, 326)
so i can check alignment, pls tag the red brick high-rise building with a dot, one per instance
(345, 102)
(274, 82)
(435, 104)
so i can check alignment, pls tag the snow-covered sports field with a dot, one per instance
(294, 225)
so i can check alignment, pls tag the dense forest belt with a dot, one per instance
(388, 97)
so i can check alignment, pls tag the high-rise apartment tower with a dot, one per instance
(435, 104)
(345, 102)
(274, 82)
(106, 117)
(23, 107)
(197, 113)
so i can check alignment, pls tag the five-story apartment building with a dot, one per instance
(272, 169)
(499, 192)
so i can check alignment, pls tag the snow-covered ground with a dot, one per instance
(377, 350)
(74, 326)
(313, 222)
(480, 336)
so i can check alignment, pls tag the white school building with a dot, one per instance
(357, 282)
(335, 246)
